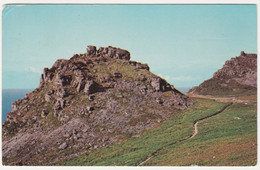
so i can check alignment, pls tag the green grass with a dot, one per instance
(127, 71)
(216, 132)
(223, 140)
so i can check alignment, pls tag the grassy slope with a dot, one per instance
(222, 140)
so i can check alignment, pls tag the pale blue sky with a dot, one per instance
(185, 44)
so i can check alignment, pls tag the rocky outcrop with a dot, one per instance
(113, 52)
(238, 76)
(84, 103)
(92, 51)
(109, 51)
(159, 84)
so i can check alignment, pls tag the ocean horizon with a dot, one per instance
(11, 95)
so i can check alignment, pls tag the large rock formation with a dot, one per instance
(238, 76)
(87, 102)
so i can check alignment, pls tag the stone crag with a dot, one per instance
(89, 101)
(238, 76)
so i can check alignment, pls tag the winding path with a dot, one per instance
(195, 132)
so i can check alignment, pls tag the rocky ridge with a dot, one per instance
(89, 101)
(238, 76)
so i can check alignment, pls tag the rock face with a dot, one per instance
(113, 52)
(238, 76)
(87, 102)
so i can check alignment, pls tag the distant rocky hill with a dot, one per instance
(87, 102)
(238, 76)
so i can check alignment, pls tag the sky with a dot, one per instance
(185, 44)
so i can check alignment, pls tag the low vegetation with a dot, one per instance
(225, 139)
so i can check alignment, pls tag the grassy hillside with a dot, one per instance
(229, 138)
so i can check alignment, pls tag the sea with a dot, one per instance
(11, 95)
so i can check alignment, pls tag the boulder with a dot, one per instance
(142, 66)
(242, 53)
(91, 51)
(91, 87)
(63, 146)
(122, 54)
(113, 52)
(57, 80)
(14, 107)
(80, 84)
(47, 74)
(158, 84)
(60, 63)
